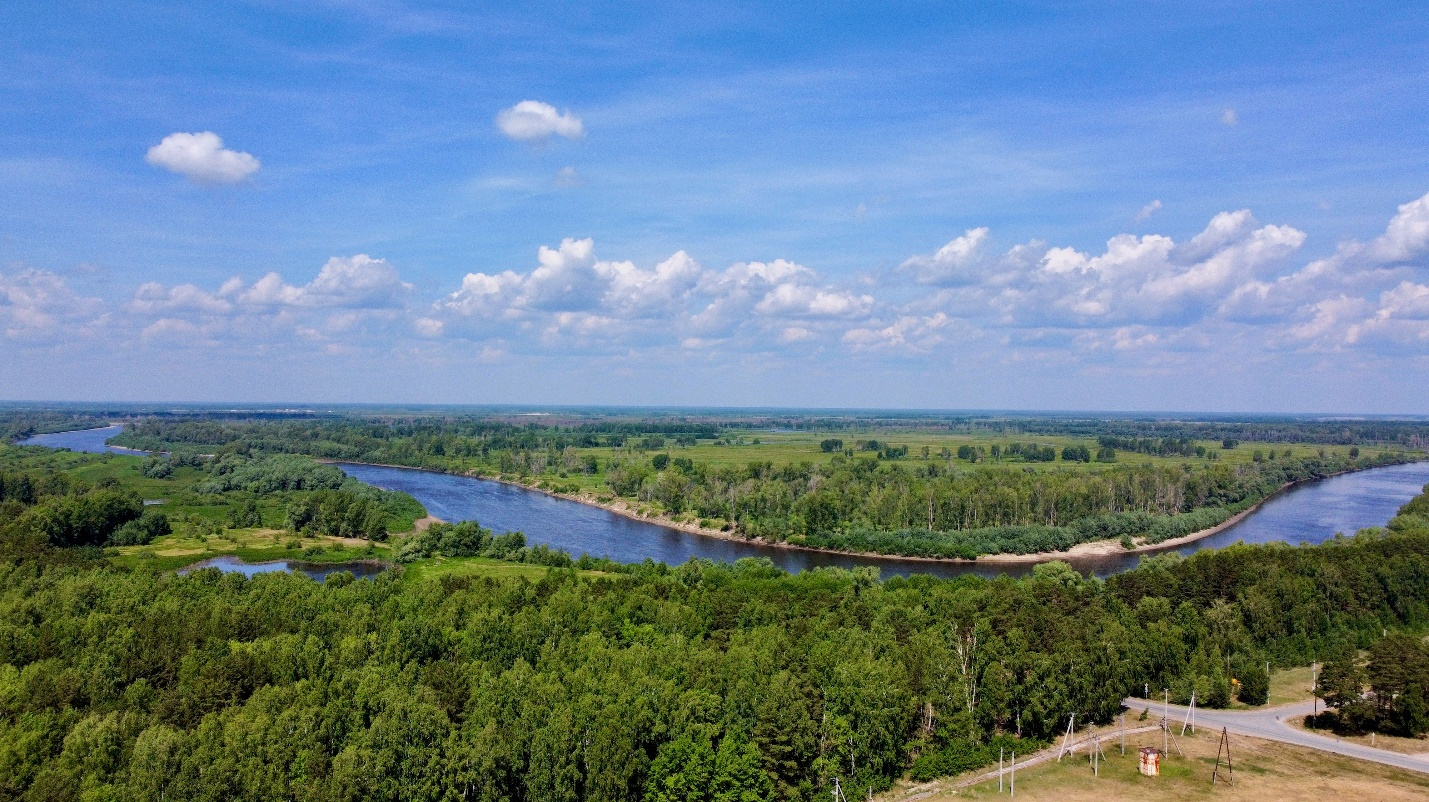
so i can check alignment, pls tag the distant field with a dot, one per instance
(781, 448)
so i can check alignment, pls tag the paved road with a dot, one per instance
(1269, 724)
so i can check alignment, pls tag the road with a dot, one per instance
(1269, 724)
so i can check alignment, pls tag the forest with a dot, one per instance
(851, 494)
(701, 681)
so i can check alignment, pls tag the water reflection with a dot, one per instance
(318, 571)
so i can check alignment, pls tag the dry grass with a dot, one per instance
(1264, 770)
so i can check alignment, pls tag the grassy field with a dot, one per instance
(439, 567)
(1264, 770)
(784, 447)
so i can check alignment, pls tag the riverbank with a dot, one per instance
(1090, 553)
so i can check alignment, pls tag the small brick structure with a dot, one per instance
(1150, 761)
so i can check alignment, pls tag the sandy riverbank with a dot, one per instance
(1090, 550)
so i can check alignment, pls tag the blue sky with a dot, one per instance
(1218, 206)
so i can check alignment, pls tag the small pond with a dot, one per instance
(318, 571)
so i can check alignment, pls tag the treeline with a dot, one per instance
(873, 506)
(1400, 433)
(652, 683)
(1160, 447)
(20, 424)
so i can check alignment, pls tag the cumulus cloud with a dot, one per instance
(573, 294)
(534, 121)
(1137, 279)
(350, 296)
(907, 332)
(1237, 283)
(203, 158)
(954, 263)
(1148, 210)
(40, 306)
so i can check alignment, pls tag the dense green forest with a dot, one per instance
(694, 682)
(1010, 498)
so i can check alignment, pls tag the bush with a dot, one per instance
(1254, 686)
(148, 527)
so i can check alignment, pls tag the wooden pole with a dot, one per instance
(1014, 775)
(1225, 746)
(999, 769)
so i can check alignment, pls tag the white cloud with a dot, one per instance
(154, 298)
(568, 178)
(203, 158)
(1229, 117)
(572, 294)
(355, 282)
(533, 121)
(429, 327)
(952, 264)
(907, 332)
(40, 306)
(1148, 210)
(1138, 279)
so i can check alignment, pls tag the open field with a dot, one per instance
(1263, 770)
(785, 447)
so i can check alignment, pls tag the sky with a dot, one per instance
(1217, 206)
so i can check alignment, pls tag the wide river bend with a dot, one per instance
(1308, 513)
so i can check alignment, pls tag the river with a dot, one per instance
(1308, 513)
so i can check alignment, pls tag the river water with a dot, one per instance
(1309, 513)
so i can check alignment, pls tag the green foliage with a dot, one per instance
(244, 515)
(700, 681)
(270, 474)
(83, 520)
(148, 527)
(158, 468)
(338, 513)
(1254, 687)
(469, 539)
(965, 755)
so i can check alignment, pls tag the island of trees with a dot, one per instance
(949, 489)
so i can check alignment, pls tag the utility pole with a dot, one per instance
(999, 769)
(1123, 735)
(1014, 774)
(1314, 692)
(1165, 720)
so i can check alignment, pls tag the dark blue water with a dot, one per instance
(318, 571)
(1310, 513)
(87, 440)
